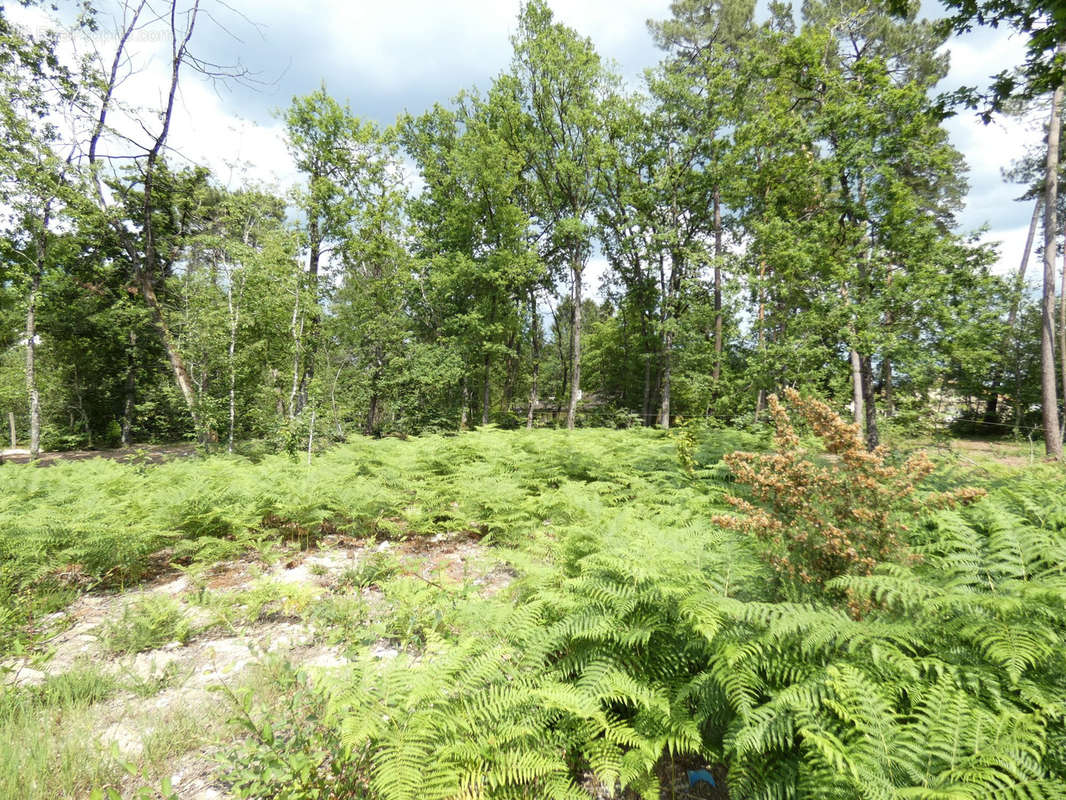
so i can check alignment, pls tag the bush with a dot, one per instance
(823, 518)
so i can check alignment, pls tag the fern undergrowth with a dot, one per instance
(638, 632)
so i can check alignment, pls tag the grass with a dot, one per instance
(45, 751)
(146, 624)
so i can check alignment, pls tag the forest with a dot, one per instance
(775, 206)
(572, 437)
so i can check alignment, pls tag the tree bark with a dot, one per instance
(760, 397)
(856, 388)
(486, 390)
(886, 383)
(873, 436)
(1048, 390)
(664, 409)
(718, 250)
(535, 346)
(575, 343)
(131, 386)
(31, 335)
(1062, 332)
(306, 370)
(464, 399)
(235, 317)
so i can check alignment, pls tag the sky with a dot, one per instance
(383, 58)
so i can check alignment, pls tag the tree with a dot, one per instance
(559, 85)
(1048, 393)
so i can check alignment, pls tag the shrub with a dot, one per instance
(824, 518)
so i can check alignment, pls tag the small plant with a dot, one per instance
(146, 624)
(265, 599)
(289, 752)
(824, 518)
(374, 570)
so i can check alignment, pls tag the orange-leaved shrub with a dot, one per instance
(838, 514)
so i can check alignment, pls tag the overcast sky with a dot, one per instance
(387, 57)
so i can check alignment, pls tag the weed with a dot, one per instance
(146, 624)
(373, 570)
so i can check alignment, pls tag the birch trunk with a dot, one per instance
(575, 344)
(1048, 390)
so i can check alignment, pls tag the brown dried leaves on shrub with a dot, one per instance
(833, 516)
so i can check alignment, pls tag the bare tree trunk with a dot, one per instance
(718, 250)
(664, 409)
(1052, 439)
(31, 335)
(144, 265)
(856, 388)
(131, 386)
(464, 412)
(873, 436)
(1062, 331)
(535, 342)
(234, 316)
(760, 397)
(575, 344)
(646, 408)
(308, 349)
(486, 390)
(11, 429)
(296, 327)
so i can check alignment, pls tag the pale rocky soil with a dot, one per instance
(188, 676)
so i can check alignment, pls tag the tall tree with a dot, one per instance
(1048, 392)
(559, 83)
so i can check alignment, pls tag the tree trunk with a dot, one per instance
(131, 387)
(575, 344)
(856, 388)
(11, 429)
(760, 397)
(31, 338)
(535, 346)
(372, 413)
(486, 390)
(645, 411)
(234, 316)
(1062, 331)
(464, 398)
(1049, 394)
(296, 327)
(717, 371)
(307, 349)
(664, 409)
(886, 382)
(873, 436)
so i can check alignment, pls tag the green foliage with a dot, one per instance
(44, 752)
(289, 753)
(374, 569)
(146, 624)
(643, 642)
